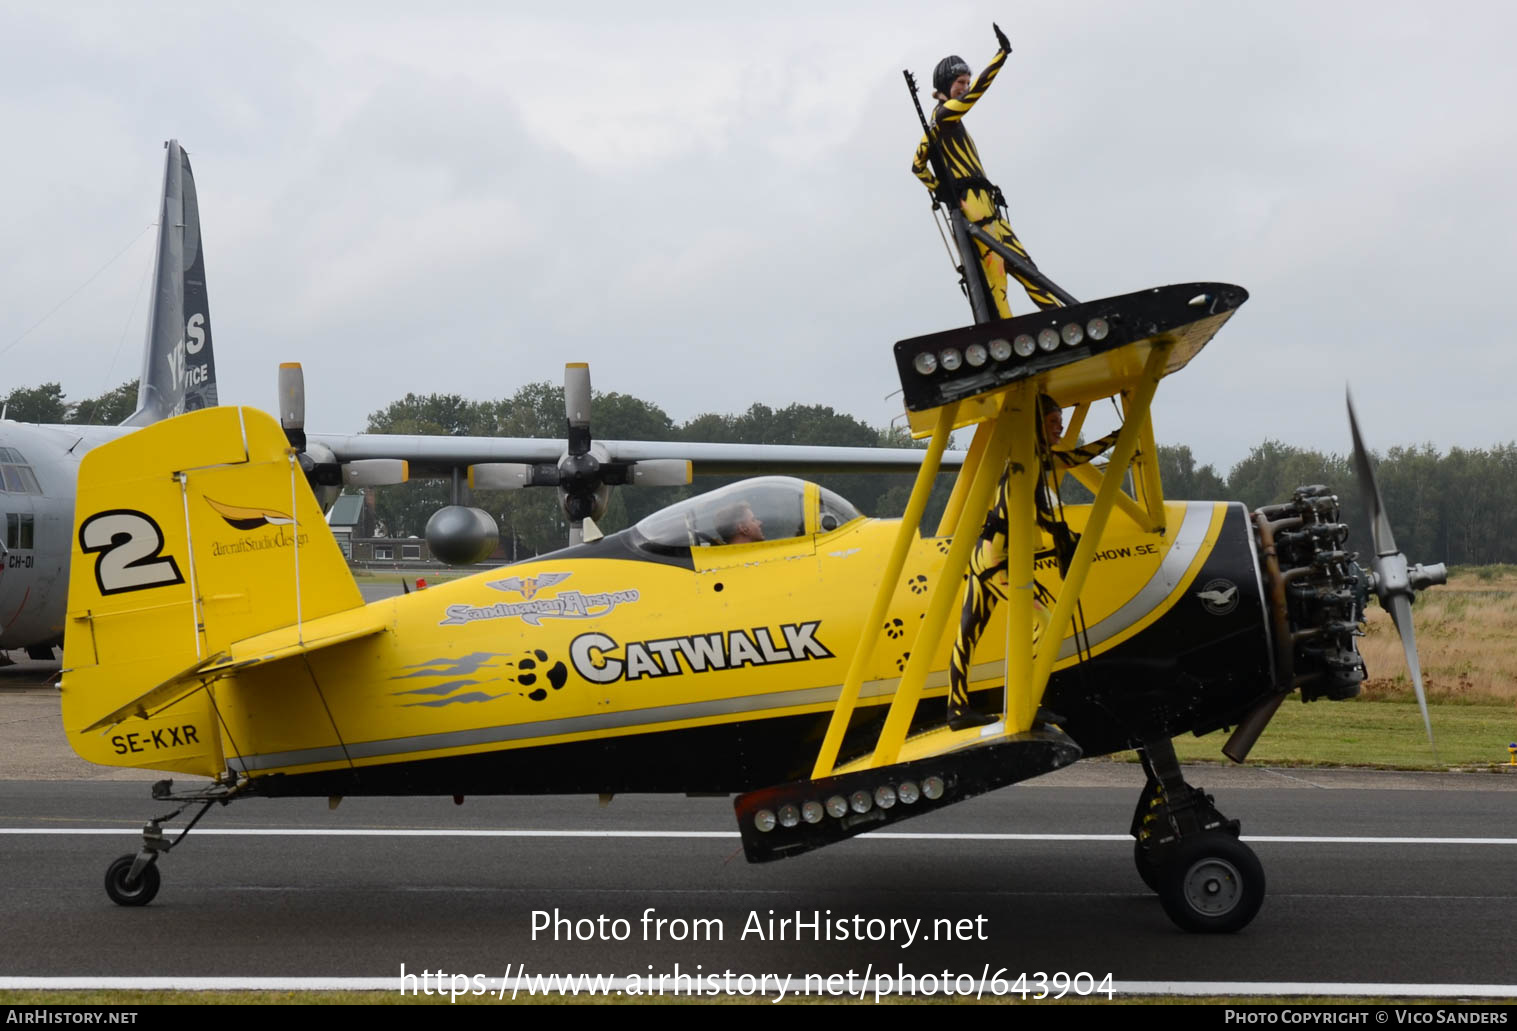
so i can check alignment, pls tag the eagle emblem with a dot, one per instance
(528, 586)
(1219, 597)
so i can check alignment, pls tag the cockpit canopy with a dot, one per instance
(782, 506)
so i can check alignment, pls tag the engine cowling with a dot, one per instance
(1318, 591)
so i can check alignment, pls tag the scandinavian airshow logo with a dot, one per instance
(242, 517)
(1219, 597)
(537, 607)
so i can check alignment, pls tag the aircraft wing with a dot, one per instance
(438, 456)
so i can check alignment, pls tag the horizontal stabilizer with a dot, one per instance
(265, 648)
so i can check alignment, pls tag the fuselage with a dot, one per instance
(39, 465)
(637, 665)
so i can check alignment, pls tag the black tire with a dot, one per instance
(1211, 883)
(123, 894)
(1148, 866)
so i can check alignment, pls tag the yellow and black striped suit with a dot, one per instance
(978, 199)
(987, 582)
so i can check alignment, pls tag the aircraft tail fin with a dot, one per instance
(178, 368)
(189, 535)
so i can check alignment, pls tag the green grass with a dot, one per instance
(1385, 735)
(1485, 574)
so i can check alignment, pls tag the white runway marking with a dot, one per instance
(405, 832)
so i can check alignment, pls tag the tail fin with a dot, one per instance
(189, 535)
(178, 368)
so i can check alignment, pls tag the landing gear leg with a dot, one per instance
(133, 879)
(1189, 853)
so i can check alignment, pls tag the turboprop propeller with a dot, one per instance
(327, 475)
(1394, 582)
(458, 533)
(585, 473)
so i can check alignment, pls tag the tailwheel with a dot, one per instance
(125, 890)
(133, 879)
(1211, 883)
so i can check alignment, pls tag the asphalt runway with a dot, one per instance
(1038, 877)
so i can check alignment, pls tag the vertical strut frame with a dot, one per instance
(1006, 441)
(869, 636)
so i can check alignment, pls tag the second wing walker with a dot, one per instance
(764, 640)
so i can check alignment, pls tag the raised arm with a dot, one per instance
(953, 110)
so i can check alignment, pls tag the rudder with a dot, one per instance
(189, 535)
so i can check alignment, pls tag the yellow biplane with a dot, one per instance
(764, 640)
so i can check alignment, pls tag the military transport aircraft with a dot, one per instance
(39, 463)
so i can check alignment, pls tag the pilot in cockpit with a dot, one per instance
(736, 524)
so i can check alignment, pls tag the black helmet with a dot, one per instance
(948, 69)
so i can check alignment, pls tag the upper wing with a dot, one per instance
(438, 456)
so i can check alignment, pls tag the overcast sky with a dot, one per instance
(715, 208)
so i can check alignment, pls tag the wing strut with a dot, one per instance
(1112, 348)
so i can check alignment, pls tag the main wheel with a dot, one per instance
(1212, 883)
(1148, 866)
(124, 894)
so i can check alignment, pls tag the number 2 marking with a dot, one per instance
(128, 543)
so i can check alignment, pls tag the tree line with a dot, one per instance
(47, 404)
(531, 521)
(1458, 506)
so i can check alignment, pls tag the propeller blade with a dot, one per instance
(292, 403)
(1394, 583)
(1369, 488)
(375, 472)
(1400, 608)
(577, 405)
(659, 472)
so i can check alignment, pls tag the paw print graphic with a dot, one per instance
(918, 584)
(943, 545)
(894, 629)
(900, 664)
(557, 674)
